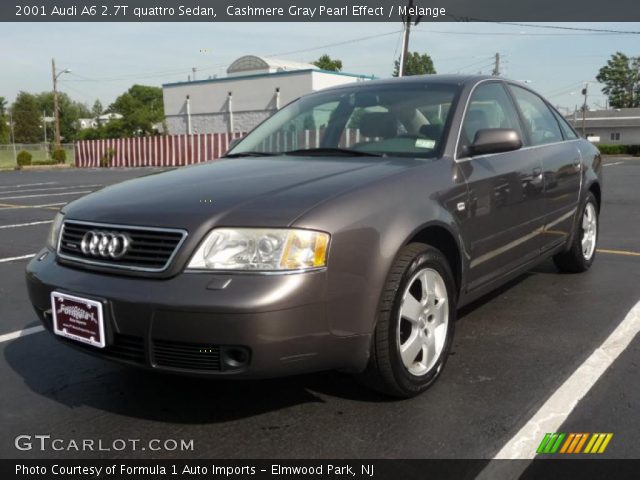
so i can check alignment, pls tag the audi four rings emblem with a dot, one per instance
(105, 244)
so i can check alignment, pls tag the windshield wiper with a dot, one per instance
(332, 151)
(249, 154)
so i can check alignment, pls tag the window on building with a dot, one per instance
(615, 136)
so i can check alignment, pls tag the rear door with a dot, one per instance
(561, 164)
(505, 211)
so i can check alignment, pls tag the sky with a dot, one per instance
(105, 59)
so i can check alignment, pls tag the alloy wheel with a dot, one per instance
(423, 321)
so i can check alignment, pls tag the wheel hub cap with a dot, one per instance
(589, 231)
(423, 322)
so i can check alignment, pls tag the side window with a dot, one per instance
(489, 107)
(567, 131)
(542, 124)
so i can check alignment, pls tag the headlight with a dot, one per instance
(261, 249)
(54, 232)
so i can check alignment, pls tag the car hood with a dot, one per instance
(264, 191)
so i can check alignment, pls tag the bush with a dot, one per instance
(24, 158)
(107, 158)
(59, 155)
(619, 149)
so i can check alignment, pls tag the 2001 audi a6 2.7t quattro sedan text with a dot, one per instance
(341, 233)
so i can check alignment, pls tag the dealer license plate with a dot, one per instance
(77, 318)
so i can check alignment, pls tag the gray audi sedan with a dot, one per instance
(344, 232)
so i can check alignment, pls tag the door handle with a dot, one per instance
(536, 176)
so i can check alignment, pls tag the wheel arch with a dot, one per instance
(441, 237)
(594, 188)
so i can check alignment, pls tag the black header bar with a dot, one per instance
(317, 10)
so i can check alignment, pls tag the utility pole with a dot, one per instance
(194, 73)
(56, 114)
(13, 138)
(406, 23)
(584, 110)
(496, 68)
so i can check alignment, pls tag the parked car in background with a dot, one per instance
(342, 233)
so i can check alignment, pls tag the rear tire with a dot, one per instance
(580, 256)
(414, 325)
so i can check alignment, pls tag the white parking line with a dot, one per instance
(46, 195)
(20, 333)
(563, 401)
(29, 185)
(610, 164)
(50, 188)
(13, 259)
(18, 225)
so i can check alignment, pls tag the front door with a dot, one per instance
(506, 201)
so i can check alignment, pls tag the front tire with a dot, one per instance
(415, 323)
(580, 256)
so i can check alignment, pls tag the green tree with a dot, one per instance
(416, 64)
(27, 119)
(70, 112)
(621, 77)
(141, 107)
(325, 62)
(97, 109)
(4, 122)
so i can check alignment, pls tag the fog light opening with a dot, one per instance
(235, 357)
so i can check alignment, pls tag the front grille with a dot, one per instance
(124, 347)
(150, 249)
(186, 356)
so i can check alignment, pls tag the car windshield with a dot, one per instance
(401, 119)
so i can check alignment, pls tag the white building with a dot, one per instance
(619, 126)
(253, 89)
(84, 123)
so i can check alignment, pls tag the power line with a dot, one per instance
(524, 34)
(580, 29)
(474, 64)
(336, 44)
(212, 66)
(534, 25)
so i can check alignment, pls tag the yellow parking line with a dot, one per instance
(618, 252)
(12, 205)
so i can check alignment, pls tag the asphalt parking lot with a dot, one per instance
(512, 351)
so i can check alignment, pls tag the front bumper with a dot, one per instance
(200, 323)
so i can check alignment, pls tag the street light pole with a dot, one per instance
(56, 114)
(406, 24)
(585, 92)
(405, 45)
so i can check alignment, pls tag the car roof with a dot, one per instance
(450, 79)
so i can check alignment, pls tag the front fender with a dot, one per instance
(368, 228)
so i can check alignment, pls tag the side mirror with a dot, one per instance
(495, 140)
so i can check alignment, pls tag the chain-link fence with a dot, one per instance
(41, 153)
